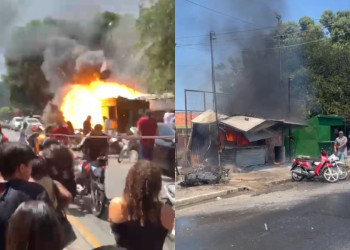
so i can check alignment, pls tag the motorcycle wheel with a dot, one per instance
(98, 200)
(343, 173)
(331, 175)
(297, 177)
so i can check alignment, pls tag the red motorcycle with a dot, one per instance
(306, 167)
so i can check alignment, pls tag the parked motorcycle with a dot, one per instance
(340, 166)
(305, 167)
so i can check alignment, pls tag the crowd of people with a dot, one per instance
(38, 184)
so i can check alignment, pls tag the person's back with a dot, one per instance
(138, 219)
(60, 165)
(41, 176)
(147, 127)
(87, 125)
(15, 167)
(150, 236)
(13, 193)
(95, 144)
(60, 131)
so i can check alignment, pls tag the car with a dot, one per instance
(29, 123)
(15, 123)
(164, 150)
(39, 118)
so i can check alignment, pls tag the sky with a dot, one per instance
(15, 13)
(193, 24)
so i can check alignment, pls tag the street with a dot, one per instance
(91, 231)
(306, 215)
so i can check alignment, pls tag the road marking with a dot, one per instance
(84, 231)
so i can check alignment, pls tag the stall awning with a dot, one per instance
(262, 134)
(243, 123)
(208, 117)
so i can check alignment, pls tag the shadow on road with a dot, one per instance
(81, 207)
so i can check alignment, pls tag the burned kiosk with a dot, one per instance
(123, 113)
(244, 141)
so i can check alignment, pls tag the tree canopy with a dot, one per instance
(157, 38)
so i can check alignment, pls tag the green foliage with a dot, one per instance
(27, 84)
(4, 95)
(5, 113)
(157, 39)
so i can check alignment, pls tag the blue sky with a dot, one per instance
(193, 23)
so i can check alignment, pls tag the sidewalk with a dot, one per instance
(255, 179)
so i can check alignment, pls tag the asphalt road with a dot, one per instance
(93, 232)
(307, 215)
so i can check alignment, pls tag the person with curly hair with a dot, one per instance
(60, 166)
(138, 219)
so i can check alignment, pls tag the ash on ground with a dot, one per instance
(204, 174)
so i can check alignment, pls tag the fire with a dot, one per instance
(84, 100)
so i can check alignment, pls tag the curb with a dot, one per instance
(204, 197)
(209, 196)
(272, 183)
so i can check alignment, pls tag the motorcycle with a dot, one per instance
(305, 167)
(340, 166)
(90, 180)
(97, 185)
(129, 148)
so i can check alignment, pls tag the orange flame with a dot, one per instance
(84, 100)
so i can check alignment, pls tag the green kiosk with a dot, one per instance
(321, 132)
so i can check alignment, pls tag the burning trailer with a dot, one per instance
(123, 113)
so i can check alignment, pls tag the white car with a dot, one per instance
(30, 122)
(15, 123)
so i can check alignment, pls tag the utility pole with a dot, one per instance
(289, 129)
(212, 37)
(279, 23)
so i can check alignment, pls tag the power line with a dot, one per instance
(282, 47)
(219, 12)
(228, 32)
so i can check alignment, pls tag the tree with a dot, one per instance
(5, 113)
(27, 84)
(4, 98)
(156, 26)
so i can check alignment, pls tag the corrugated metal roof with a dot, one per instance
(208, 117)
(243, 123)
(262, 134)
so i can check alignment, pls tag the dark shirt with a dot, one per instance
(86, 127)
(13, 193)
(132, 236)
(147, 127)
(95, 147)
